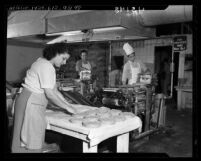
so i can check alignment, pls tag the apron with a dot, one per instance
(86, 66)
(31, 128)
(83, 85)
(135, 70)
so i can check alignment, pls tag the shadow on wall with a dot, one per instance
(150, 66)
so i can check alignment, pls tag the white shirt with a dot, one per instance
(41, 75)
(128, 73)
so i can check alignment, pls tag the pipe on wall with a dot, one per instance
(172, 14)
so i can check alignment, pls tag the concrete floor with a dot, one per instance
(174, 139)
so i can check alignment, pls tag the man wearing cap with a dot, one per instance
(133, 67)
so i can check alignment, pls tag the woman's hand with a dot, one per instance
(71, 109)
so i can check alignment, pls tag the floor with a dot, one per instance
(174, 139)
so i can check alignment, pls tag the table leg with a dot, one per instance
(123, 143)
(88, 149)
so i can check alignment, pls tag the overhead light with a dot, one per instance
(78, 32)
(59, 39)
(68, 33)
(108, 29)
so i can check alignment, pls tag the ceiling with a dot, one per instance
(33, 25)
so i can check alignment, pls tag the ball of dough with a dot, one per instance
(103, 109)
(78, 116)
(91, 113)
(91, 124)
(90, 118)
(128, 114)
(119, 118)
(107, 121)
(115, 112)
(105, 115)
(76, 120)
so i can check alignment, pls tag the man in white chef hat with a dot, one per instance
(132, 68)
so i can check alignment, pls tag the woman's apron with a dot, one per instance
(86, 66)
(135, 70)
(30, 123)
(83, 87)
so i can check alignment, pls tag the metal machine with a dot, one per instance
(139, 99)
(136, 99)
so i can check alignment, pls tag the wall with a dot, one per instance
(18, 59)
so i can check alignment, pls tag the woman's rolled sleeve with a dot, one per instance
(47, 76)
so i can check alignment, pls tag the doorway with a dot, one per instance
(163, 58)
(117, 62)
(175, 78)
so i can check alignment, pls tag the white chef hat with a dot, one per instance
(128, 49)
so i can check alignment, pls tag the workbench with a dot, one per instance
(91, 137)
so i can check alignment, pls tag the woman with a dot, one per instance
(39, 87)
(83, 65)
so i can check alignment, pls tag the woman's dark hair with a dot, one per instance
(51, 50)
(83, 51)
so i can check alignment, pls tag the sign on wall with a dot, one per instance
(180, 43)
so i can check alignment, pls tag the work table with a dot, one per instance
(91, 137)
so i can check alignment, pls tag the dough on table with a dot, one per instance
(105, 115)
(119, 118)
(78, 115)
(91, 113)
(115, 112)
(107, 121)
(128, 114)
(103, 109)
(76, 120)
(90, 118)
(91, 124)
(83, 110)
